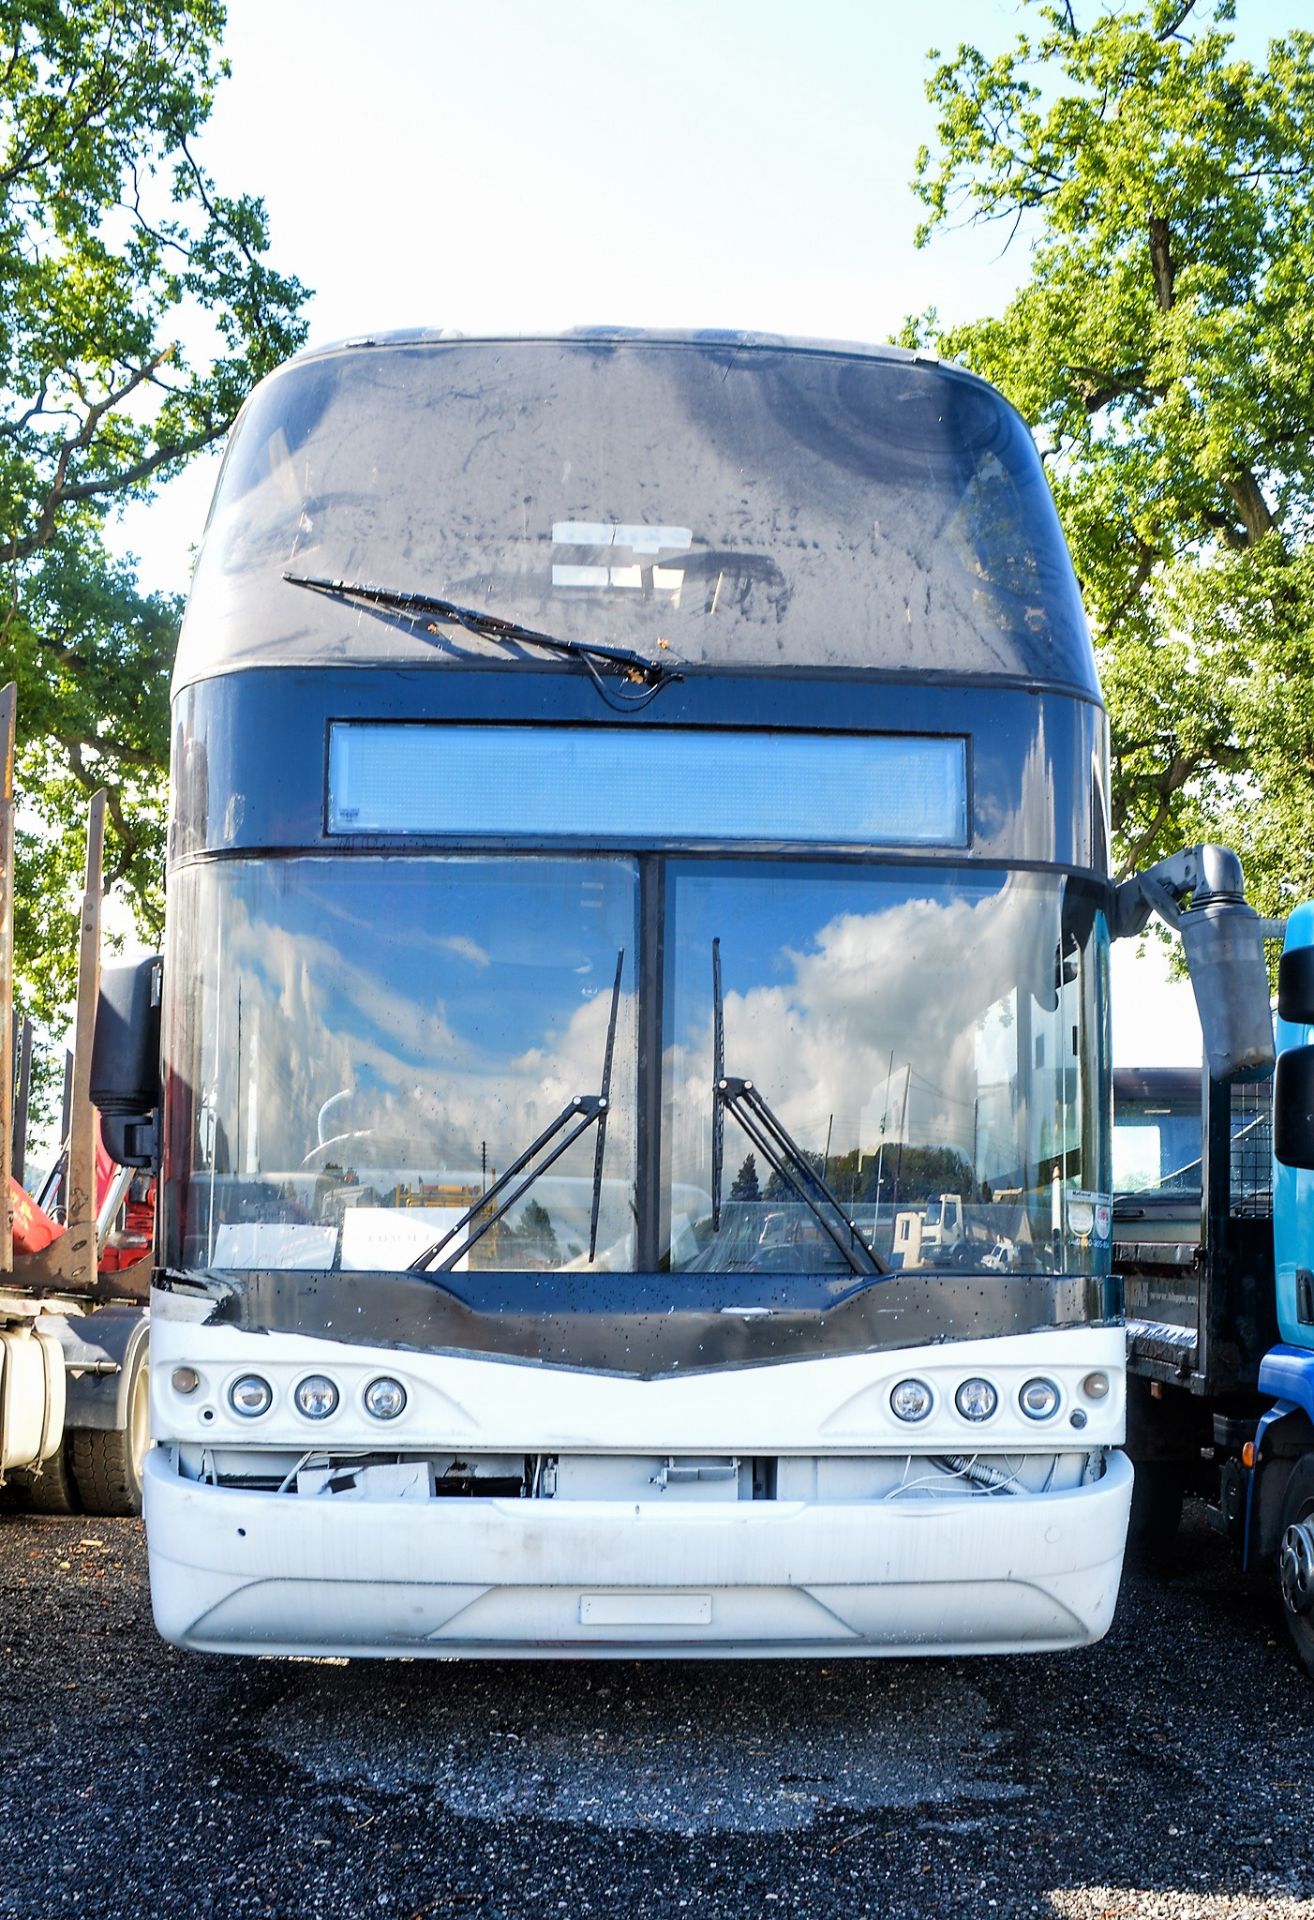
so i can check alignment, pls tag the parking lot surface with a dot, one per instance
(1167, 1772)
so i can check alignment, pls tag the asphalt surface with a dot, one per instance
(1167, 1772)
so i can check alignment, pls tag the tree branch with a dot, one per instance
(10, 429)
(1251, 505)
(1161, 262)
(1135, 586)
(1097, 386)
(61, 493)
(1230, 534)
(1175, 25)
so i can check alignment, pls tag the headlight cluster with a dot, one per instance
(977, 1400)
(315, 1397)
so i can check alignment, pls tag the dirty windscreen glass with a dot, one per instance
(702, 503)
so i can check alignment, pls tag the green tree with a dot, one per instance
(746, 1185)
(535, 1235)
(779, 1188)
(922, 1173)
(138, 308)
(1162, 349)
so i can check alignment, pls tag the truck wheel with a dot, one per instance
(108, 1461)
(1295, 1559)
(53, 1489)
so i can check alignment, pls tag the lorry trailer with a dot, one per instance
(74, 1399)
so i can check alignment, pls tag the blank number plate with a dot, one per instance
(645, 1610)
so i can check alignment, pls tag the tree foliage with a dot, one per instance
(900, 1174)
(534, 1237)
(746, 1184)
(138, 308)
(1162, 348)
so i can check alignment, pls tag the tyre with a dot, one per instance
(108, 1461)
(53, 1489)
(1295, 1559)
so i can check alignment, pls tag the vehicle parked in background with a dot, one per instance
(922, 1233)
(75, 1262)
(1214, 1240)
(1193, 1244)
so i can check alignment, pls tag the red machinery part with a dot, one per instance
(33, 1229)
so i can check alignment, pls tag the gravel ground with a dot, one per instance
(1167, 1772)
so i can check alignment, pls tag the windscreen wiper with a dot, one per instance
(781, 1152)
(578, 1115)
(640, 679)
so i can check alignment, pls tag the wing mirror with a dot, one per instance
(125, 1060)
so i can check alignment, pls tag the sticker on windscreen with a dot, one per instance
(1090, 1215)
(605, 555)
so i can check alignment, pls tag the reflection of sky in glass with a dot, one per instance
(417, 1021)
(433, 1016)
(496, 960)
(870, 1006)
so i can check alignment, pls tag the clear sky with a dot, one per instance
(506, 165)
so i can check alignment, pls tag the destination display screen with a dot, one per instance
(616, 785)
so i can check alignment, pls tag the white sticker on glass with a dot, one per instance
(631, 546)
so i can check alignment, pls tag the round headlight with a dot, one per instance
(184, 1379)
(385, 1399)
(1039, 1399)
(976, 1399)
(250, 1396)
(316, 1396)
(911, 1400)
(1096, 1386)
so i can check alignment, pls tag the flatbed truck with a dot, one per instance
(1215, 1250)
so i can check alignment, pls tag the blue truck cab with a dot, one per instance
(1281, 1503)
(1293, 1183)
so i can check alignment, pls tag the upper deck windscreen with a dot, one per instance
(708, 503)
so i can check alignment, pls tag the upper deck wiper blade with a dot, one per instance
(646, 677)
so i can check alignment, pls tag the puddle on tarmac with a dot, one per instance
(689, 1748)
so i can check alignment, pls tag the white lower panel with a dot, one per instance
(832, 1403)
(261, 1572)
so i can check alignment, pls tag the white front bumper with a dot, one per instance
(233, 1571)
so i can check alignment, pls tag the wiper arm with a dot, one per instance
(646, 677)
(718, 1075)
(778, 1148)
(584, 1111)
(783, 1154)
